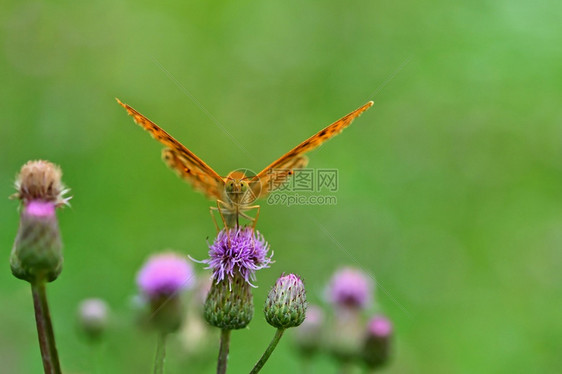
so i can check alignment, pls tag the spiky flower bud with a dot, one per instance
(161, 280)
(230, 304)
(286, 303)
(309, 335)
(93, 317)
(37, 251)
(376, 348)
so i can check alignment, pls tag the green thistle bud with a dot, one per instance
(286, 303)
(37, 251)
(229, 304)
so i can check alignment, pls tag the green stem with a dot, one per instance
(45, 332)
(306, 364)
(160, 353)
(223, 351)
(346, 367)
(268, 351)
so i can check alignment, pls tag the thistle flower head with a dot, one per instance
(240, 251)
(160, 281)
(379, 326)
(92, 317)
(350, 288)
(376, 348)
(37, 250)
(165, 274)
(286, 303)
(41, 180)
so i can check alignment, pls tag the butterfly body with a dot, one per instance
(235, 193)
(238, 197)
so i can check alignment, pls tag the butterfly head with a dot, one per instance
(237, 188)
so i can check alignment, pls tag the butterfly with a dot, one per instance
(236, 193)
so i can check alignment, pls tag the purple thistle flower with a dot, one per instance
(379, 326)
(240, 251)
(378, 341)
(350, 288)
(38, 208)
(41, 180)
(165, 274)
(37, 251)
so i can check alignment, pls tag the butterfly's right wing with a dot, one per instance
(277, 177)
(283, 167)
(190, 167)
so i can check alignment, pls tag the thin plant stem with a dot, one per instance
(346, 367)
(306, 365)
(100, 352)
(160, 353)
(47, 345)
(223, 351)
(268, 351)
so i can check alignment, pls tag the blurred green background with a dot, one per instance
(449, 191)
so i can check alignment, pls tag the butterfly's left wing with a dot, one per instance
(281, 169)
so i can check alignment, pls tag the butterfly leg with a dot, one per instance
(254, 220)
(219, 203)
(257, 215)
(226, 228)
(212, 210)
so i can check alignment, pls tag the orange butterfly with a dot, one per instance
(236, 193)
